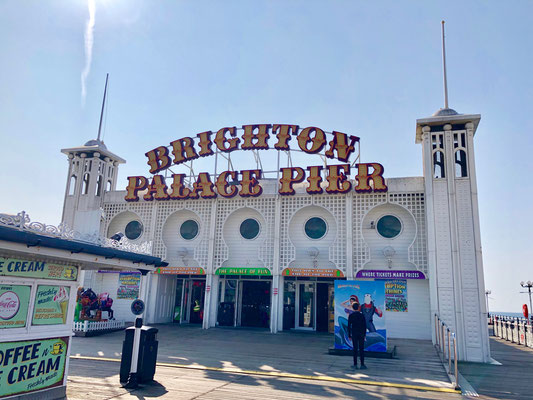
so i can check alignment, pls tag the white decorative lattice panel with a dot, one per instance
(415, 203)
(362, 203)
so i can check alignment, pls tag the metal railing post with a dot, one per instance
(449, 353)
(442, 329)
(455, 358)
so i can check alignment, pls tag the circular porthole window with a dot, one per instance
(249, 228)
(315, 228)
(189, 229)
(389, 226)
(133, 230)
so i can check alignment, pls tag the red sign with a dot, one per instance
(316, 272)
(524, 308)
(180, 271)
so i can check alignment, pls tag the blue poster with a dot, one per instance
(371, 297)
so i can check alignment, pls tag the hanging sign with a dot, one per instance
(396, 295)
(180, 271)
(32, 365)
(51, 305)
(14, 302)
(243, 271)
(317, 272)
(310, 140)
(383, 274)
(37, 269)
(128, 286)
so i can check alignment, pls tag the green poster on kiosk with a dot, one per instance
(32, 365)
(51, 305)
(37, 269)
(14, 302)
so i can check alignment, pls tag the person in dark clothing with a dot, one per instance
(357, 332)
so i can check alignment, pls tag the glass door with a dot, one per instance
(227, 299)
(305, 302)
(186, 300)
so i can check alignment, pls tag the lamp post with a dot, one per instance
(528, 285)
(487, 293)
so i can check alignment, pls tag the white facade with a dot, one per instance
(439, 237)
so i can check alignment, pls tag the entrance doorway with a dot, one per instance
(244, 302)
(308, 305)
(189, 303)
(255, 304)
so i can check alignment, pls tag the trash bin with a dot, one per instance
(147, 354)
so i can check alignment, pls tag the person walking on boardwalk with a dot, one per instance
(357, 332)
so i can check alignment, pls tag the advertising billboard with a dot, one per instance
(371, 297)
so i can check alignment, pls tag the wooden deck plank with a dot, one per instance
(511, 380)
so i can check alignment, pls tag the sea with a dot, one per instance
(507, 314)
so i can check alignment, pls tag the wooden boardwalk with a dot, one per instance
(219, 363)
(509, 381)
(98, 380)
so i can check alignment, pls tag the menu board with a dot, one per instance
(37, 269)
(51, 305)
(14, 302)
(32, 365)
(396, 295)
(128, 285)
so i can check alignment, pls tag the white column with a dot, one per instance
(349, 237)
(210, 317)
(427, 158)
(477, 242)
(454, 236)
(276, 309)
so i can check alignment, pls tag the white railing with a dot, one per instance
(446, 345)
(22, 221)
(86, 326)
(514, 330)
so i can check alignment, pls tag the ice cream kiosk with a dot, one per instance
(39, 277)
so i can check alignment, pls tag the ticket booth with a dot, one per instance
(39, 277)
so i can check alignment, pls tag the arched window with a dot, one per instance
(85, 189)
(99, 184)
(108, 188)
(72, 185)
(460, 164)
(438, 165)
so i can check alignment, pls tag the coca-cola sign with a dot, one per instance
(9, 305)
(14, 303)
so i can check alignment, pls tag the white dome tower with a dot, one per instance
(455, 261)
(92, 172)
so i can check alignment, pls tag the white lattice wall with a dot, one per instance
(202, 208)
(266, 206)
(362, 203)
(289, 206)
(414, 202)
(154, 214)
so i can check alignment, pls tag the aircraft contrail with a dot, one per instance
(89, 40)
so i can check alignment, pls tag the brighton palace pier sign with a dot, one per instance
(310, 140)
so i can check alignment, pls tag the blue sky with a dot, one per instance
(364, 68)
